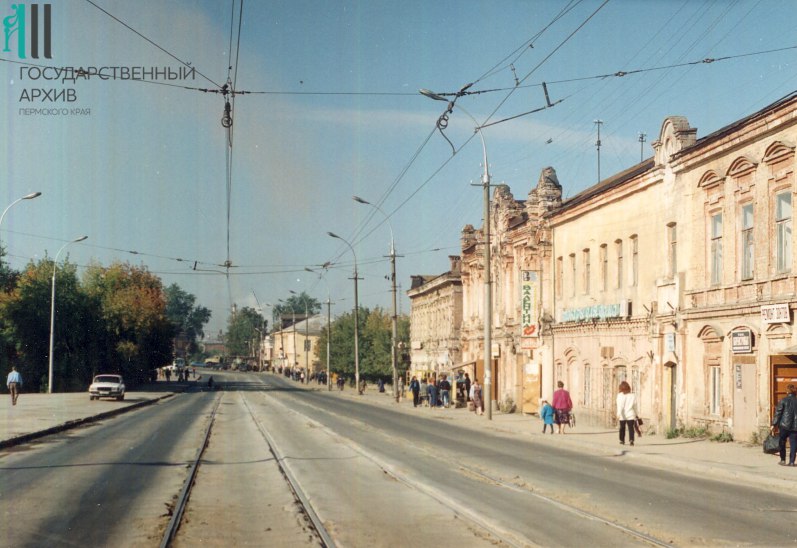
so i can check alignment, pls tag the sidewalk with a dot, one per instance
(735, 461)
(39, 415)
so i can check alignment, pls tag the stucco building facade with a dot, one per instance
(676, 275)
(435, 320)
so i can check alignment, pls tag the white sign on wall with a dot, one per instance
(775, 313)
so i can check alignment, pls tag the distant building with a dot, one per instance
(435, 319)
(296, 344)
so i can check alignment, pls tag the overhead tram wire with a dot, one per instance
(528, 44)
(460, 93)
(164, 50)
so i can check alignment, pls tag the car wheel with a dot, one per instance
(120, 398)
(91, 398)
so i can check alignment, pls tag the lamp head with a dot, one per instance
(32, 195)
(432, 95)
(360, 200)
(80, 239)
(332, 234)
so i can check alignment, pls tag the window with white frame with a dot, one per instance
(604, 260)
(587, 272)
(716, 249)
(715, 387)
(748, 260)
(672, 249)
(634, 260)
(618, 244)
(783, 231)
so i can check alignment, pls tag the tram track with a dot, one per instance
(183, 500)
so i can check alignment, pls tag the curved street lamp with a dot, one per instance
(52, 313)
(488, 305)
(30, 196)
(393, 316)
(356, 316)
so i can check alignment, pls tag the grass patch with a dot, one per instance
(695, 432)
(723, 437)
(672, 433)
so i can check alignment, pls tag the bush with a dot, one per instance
(507, 405)
(723, 437)
(672, 433)
(695, 432)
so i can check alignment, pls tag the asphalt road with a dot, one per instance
(376, 476)
(108, 484)
(515, 484)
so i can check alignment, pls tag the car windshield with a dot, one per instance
(107, 378)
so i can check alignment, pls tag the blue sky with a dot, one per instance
(145, 170)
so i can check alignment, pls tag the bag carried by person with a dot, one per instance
(572, 422)
(637, 425)
(771, 445)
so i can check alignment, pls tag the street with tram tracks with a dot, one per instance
(265, 461)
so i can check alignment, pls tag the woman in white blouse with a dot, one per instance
(626, 412)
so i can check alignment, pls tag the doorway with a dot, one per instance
(670, 401)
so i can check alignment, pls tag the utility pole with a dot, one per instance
(642, 145)
(598, 144)
(329, 336)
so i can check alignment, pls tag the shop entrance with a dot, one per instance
(783, 371)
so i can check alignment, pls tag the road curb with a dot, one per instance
(25, 438)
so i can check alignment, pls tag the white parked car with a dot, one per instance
(107, 386)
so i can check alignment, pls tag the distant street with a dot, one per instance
(374, 476)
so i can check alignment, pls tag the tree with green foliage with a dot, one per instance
(132, 306)
(187, 318)
(242, 329)
(292, 309)
(374, 340)
(26, 311)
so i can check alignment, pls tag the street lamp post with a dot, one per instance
(52, 314)
(356, 316)
(306, 336)
(30, 196)
(393, 315)
(488, 304)
(329, 327)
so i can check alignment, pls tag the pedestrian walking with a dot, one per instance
(445, 391)
(626, 412)
(476, 397)
(14, 383)
(562, 406)
(433, 392)
(415, 388)
(546, 414)
(786, 420)
(424, 391)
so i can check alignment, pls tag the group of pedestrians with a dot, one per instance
(436, 392)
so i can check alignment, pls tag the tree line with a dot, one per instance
(111, 319)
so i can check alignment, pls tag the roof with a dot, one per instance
(612, 182)
(313, 326)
